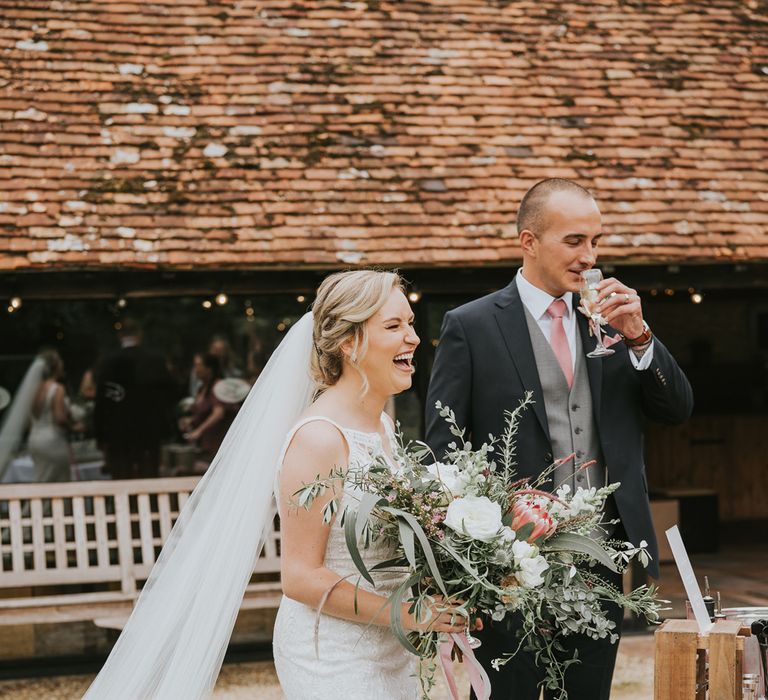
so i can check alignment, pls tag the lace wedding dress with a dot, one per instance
(351, 660)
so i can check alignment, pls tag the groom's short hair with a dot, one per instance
(531, 215)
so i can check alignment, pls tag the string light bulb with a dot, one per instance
(414, 297)
(122, 302)
(697, 297)
(207, 304)
(222, 299)
(15, 303)
(301, 298)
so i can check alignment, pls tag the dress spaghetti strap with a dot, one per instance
(292, 432)
(289, 438)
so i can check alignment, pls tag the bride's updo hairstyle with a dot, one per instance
(345, 301)
(53, 363)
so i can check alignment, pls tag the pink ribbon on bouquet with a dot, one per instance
(478, 678)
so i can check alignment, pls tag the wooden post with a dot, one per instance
(675, 660)
(723, 646)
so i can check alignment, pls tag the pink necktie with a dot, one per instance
(559, 340)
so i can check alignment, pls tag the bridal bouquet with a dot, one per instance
(465, 529)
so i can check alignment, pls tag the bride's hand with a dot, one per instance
(447, 616)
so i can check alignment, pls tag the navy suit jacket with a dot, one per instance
(484, 364)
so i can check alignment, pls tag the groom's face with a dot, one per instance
(565, 245)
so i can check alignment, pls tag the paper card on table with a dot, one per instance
(689, 579)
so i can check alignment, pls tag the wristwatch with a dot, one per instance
(643, 339)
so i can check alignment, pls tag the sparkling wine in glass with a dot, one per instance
(589, 293)
(473, 642)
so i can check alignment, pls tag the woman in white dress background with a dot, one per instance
(356, 349)
(48, 443)
(39, 404)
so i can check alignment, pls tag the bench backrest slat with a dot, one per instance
(78, 523)
(100, 525)
(17, 552)
(38, 534)
(144, 521)
(57, 524)
(164, 509)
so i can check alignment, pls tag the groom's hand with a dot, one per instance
(620, 306)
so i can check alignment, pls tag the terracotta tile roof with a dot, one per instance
(178, 133)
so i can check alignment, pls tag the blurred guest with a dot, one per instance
(50, 417)
(257, 359)
(133, 408)
(220, 348)
(82, 406)
(209, 418)
(39, 400)
(88, 388)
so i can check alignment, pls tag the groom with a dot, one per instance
(530, 336)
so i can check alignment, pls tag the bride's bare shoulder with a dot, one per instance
(317, 439)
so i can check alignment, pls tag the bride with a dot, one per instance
(318, 405)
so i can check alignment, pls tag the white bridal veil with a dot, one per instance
(17, 418)
(174, 642)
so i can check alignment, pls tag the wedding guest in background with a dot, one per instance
(134, 403)
(220, 348)
(82, 406)
(257, 359)
(209, 418)
(530, 336)
(48, 443)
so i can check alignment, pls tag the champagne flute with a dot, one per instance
(589, 293)
(472, 642)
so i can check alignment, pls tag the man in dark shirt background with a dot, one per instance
(133, 411)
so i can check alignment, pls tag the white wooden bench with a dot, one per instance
(82, 550)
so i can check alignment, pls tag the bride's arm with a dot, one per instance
(315, 450)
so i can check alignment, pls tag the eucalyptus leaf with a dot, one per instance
(407, 540)
(367, 503)
(395, 613)
(573, 542)
(398, 562)
(423, 542)
(350, 536)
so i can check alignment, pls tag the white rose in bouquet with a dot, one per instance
(531, 572)
(453, 478)
(531, 565)
(476, 516)
(507, 535)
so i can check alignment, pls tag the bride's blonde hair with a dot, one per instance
(344, 302)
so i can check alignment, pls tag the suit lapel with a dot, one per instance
(594, 366)
(510, 318)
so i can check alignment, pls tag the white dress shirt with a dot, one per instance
(537, 302)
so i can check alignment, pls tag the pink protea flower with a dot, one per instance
(524, 512)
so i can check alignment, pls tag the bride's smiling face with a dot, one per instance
(388, 361)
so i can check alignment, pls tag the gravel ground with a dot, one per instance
(257, 680)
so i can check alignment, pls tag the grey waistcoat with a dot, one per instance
(570, 417)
